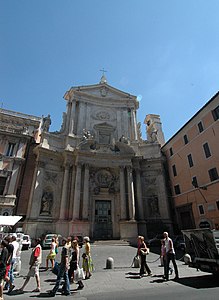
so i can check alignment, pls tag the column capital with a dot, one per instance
(129, 168)
(86, 165)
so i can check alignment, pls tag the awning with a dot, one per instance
(9, 220)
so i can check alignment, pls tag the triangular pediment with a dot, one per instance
(101, 90)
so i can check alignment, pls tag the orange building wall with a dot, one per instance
(196, 196)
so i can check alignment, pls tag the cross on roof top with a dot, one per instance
(103, 78)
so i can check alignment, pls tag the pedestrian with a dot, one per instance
(163, 257)
(35, 261)
(15, 255)
(74, 263)
(142, 250)
(87, 263)
(52, 254)
(9, 285)
(170, 256)
(63, 272)
(68, 246)
(3, 262)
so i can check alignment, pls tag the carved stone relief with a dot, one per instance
(51, 177)
(103, 179)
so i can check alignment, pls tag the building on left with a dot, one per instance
(19, 134)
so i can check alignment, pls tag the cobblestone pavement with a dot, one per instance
(123, 277)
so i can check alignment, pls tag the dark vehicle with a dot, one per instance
(46, 242)
(179, 243)
(202, 249)
(156, 241)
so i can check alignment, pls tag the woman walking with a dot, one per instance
(52, 254)
(87, 263)
(74, 263)
(142, 249)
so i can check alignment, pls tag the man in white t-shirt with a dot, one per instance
(170, 256)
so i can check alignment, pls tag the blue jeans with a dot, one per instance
(63, 273)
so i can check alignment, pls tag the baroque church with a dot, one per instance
(97, 176)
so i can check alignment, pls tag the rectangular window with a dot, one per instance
(201, 209)
(10, 149)
(200, 127)
(2, 184)
(171, 151)
(215, 113)
(174, 170)
(190, 160)
(195, 182)
(207, 150)
(177, 189)
(217, 203)
(213, 174)
(185, 139)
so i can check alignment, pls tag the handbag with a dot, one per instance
(79, 274)
(136, 262)
(145, 252)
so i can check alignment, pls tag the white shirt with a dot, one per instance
(16, 249)
(167, 245)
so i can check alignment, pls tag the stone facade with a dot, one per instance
(17, 132)
(96, 176)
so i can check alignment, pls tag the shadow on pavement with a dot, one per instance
(47, 295)
(133, 275)
(200, 282)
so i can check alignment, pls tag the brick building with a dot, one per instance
(193, 163)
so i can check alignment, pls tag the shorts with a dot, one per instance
(51, 256)
(8, 267)
(34, 271)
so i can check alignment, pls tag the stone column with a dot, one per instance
(139, 195)
(86, 193)
(64, 207)
(131, 193)
(123, 215)
(72, 117)
(72, 192)
(77, 194)
(134, 124)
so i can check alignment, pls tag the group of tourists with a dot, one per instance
(10, 250)
(66, 268)
(167, 255)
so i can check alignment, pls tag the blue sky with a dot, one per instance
(165, 51)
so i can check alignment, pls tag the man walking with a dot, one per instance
(35, 261)
(169, 256)
(63, 272)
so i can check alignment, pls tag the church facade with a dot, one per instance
(97, 176)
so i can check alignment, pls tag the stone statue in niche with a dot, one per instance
(46, 203)
(153, 206)
(46, 123)
(153, 136)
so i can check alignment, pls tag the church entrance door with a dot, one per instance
(103, 220)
